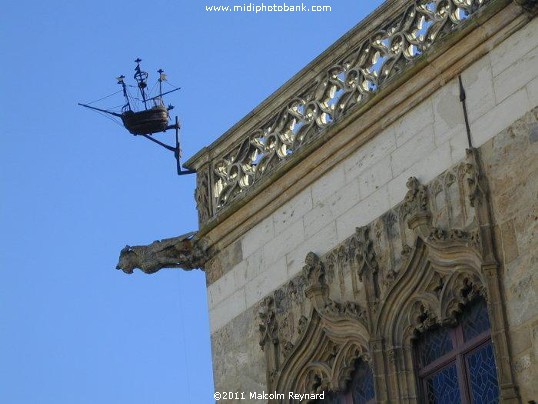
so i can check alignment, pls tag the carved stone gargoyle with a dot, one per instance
(176, 252)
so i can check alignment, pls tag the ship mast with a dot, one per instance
(124, 87)
(162, 77)
(150, 121)
(141, 78)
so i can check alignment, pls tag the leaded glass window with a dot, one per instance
(457, 364)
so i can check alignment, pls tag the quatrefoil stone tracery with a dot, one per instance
(349, 81)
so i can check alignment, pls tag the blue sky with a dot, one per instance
(75, 188)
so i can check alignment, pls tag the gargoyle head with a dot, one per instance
(127, 260)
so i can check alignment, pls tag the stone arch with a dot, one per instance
(438, 278)
(461, 288)
(440, 270)
(432, 269)
(325, 355)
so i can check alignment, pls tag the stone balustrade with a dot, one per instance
(349, 74)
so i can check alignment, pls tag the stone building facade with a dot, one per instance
(383, 202)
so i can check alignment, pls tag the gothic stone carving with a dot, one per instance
(365, 253)
(328, 321)
(324, 357)
(314, 273)
(344, 84)
(201, 195)
(268, 326)
(416, 199)
(177, 252)
(445, 267)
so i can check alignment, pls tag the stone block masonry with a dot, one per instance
(373, 179)
(357, 175)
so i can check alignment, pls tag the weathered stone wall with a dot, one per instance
(501, 88)
(423, 143)
(511, 166)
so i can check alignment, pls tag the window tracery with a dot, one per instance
(457, 364)
(441, 273)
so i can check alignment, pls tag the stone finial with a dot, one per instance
(365, 253)
(415, 205)
(314, 273)
(416, 199)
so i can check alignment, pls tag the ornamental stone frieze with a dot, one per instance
(416, 267)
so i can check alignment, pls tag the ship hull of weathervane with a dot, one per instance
(146, 122)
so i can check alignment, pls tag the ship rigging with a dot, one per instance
(147, 115)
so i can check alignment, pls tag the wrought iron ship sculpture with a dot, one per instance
(153, 118)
